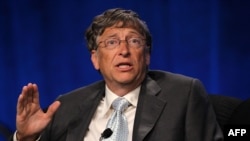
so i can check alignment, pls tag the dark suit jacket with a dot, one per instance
(171, 107)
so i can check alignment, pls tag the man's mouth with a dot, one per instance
(124, 66)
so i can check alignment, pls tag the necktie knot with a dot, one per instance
(120, 104)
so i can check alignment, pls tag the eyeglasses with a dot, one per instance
(112, 43)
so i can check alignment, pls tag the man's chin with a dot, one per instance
(128, 81)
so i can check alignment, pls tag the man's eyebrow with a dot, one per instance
(134, 33)
(111, 35)
(130, 33)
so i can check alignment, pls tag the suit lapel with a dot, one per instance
(79, 127)
(149, 109)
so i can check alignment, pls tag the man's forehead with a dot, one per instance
(117, 30)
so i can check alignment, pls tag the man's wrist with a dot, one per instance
(16, 138)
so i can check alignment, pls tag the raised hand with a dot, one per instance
(30, 118)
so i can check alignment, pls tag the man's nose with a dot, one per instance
(124, 48)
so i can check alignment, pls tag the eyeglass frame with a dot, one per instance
(119, 42)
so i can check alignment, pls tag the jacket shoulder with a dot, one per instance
(159, 75)
(82, 92)
(175, 83)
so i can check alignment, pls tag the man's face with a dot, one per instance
(122, 65)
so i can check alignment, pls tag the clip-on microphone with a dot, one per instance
(106, 134)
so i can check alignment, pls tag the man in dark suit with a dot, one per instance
(162, 106)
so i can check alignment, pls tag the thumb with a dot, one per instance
(52, 108)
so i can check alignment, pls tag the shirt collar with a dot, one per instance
(132, 97)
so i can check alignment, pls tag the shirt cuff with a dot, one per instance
(15, 138)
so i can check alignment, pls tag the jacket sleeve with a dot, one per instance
(201, 123)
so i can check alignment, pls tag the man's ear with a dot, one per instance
(94, 59)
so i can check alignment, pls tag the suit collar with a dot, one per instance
(148, 103)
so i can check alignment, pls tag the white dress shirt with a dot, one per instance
(104, 112)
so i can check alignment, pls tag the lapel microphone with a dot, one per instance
(106, 134)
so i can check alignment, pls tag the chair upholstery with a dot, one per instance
(224, 107)
(241, 115)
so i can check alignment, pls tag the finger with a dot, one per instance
(25, 98)
(52, 108)
(35, 94)
(21, 103)
(30, 93)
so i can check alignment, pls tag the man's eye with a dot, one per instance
(135, 41)
(111, 42)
